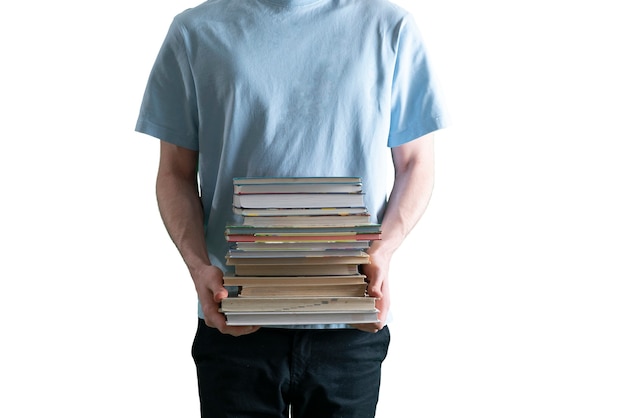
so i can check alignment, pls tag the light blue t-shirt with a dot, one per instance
(289, 88)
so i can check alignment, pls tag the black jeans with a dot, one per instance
(316, 373)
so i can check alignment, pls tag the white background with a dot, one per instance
(508, 296)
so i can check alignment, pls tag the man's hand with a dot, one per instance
(377, 273)
(209, 284)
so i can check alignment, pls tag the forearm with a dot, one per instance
(181, 210)
(409, 197)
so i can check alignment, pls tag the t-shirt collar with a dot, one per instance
(292, 3)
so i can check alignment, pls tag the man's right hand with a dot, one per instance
(209, 282)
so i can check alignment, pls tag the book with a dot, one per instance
(345, 237)
(312, 220)
(284, 186)
(278, 281)
(299, 211)
(302, 290)
(301, 318)
(242, 233)
(299, 200)
(297, 270)
(298, 246)
(298, 304)
(303, 260)
(296, 254)
(297, 180)
(302, 229)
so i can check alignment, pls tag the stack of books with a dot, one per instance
(297, 253)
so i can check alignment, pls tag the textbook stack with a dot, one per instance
(297, 253)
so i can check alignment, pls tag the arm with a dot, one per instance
(413, 184)
(181, 211)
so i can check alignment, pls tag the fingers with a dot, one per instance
(379, 289)
(239, 330)
(215, 319)
(370, 327)
(375, 279)
(211, 291)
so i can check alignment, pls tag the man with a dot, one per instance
(289, 88)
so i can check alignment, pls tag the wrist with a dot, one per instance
(381, 249)
(200, 270)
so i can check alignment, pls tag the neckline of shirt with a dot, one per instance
(292, 3)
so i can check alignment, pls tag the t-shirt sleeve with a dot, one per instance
(169, 109)
(416, 103)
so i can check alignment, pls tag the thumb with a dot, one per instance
(219, 293)
(374, 285)
(374, 290)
